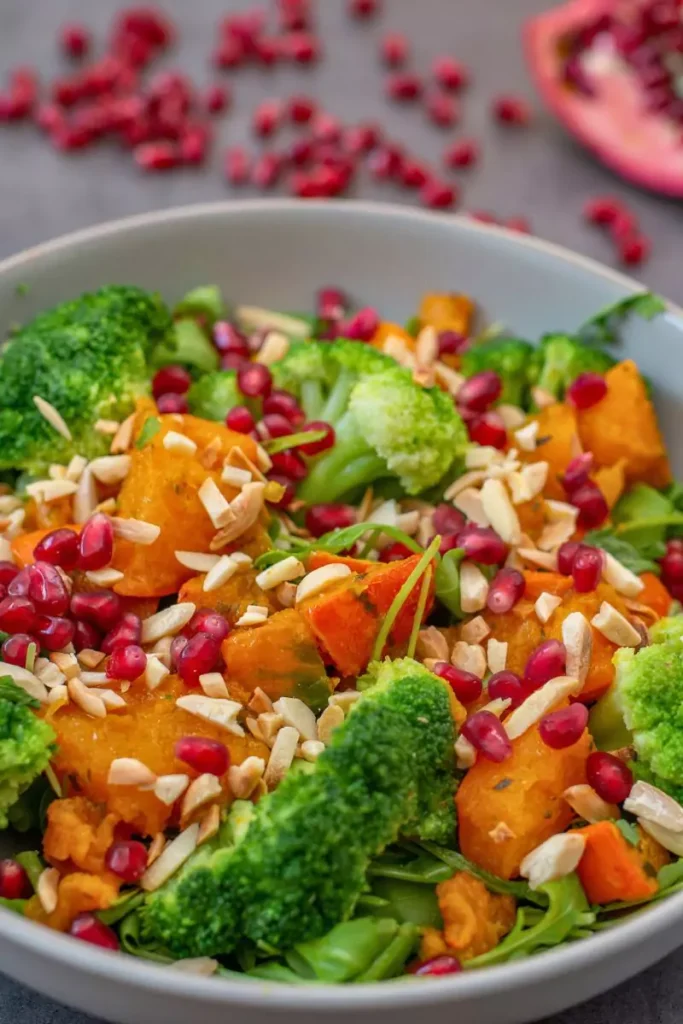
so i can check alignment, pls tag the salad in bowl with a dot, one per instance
(334, 649)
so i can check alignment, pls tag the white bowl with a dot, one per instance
(276, 254)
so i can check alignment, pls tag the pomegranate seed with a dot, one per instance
(126, 663)
(447, 519)
(547, 662)
(511, 110)
(50, 118)
(284, 405)
(623, 226)
(363, 8)
(463, 153)
(75, 40)
(60, 547)
(395, 552)
(602, 210)
(331, 304)
(436, 195)
(267, 170)
(565, 727)
(450, 73)
(216, 99)
(240, 420)
(489, 430)
(487, 735)
(506, 685)
(172, 403)
(326, 128)
(255, 380)
(128, 630)
(321, 519)
(437, 967)
(19, 585)
(326, 442)
(230, 53)
(610, 778)
(101, 608)
(8, 572)
(178, 644)
(15, 650)
(227, 338)
(236, 166)
(86, 636)
(127, 858)
(171, 378)
(67, 91)
(586, 569)
(96, 543)
(302, 47)
(403, 86)
(413, 174)
(520, 224)
(634, 251)
(301, 152)
(480, 391)
(672, 564)
(290, 465)
(14, 882)
(394, 49)
(54, 632)
(204, 755)
(90, 929)
(47, 589)
(593, 509)
(483, 217)
(193, 146)
(449, 542)
(361, 138)
(465, 685)
(301, 109)
(565, 556)
(362, 326)
(17, 615)
(442, 109)
(506, 589)
(482, 544)
(198, 656)
(157, 156)
(289, 492)
(451, 343)
(577, 472)
(294, 15)
(587, 390)
(273, 425)
(385, 162)
(208, 621)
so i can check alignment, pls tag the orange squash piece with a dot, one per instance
(475, 920)
(611, 869)
(230, 599)
(537, 583)
(386, 329)
(78, 893)
(525, 793)
(655, 595)
(319, 558)
(612, 481)
(447, 312)
(557, 438)
(78, 834)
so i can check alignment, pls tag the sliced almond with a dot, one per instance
(86, 700)
(167, 622)
(129, 771)
(209, 825)
(474, 631)
(53, 416)
(108, 506)
(245, 510)
(320, 579)
(543, 559)
(613, 625)
(345, 699)
(526, 436)
(106, 426)
(236, 477)
(431, 643)
(269, 725)
(556, 858)
(512, 416)
(286, 595)
(197, 561)
(240, 460)
(46, 673)
(179, 443)
(57, 695)
(535, 707)
(47, 491)
(520, 491)
(90, 659)
(622, 579)
(211, 709)
(652, 804)
(244, 778)
(545, 605)
(75, 468)
(135, 530)
(14, 523)
(173, 857)
(500, 511)
(221, 572)
(253, 618)
(56, 472)
(123, 438)
(275, 347)
(255, 318)
(311, 750)
(104, 577)
(111, 469)
(213, 685)
(66, 663)
(483, 456)
(671, 841)
(156, 848)
(112, 700)
(297, 714)
(331, 718)
(465, 482)
(427, 346)
(577, 638)
(85, 498)
(168, 788)
(474, 588)
(542, 398)
(241, 558)
(501, 833)
(288, 569)
(281, 756)
(6, 554)
(47, 889)
(254, 728)
(469, 658)
(260, 702)
(155, 672)
(203, 790)
(496, 654)
(448, 378)
(585, 802)
(535, 475)
(470, 503)
(216, 505)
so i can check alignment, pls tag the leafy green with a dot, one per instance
(281, 444)
(410, 865)
(645, 516)
(339, 540)
(628, 831)
(448, 581)
(15, 906)
(456, 862)
(150, 428)
(189, 345)
(124, 905)
(623, 550)
(402, 596)
(136, 941)
(411, 902)
(602, 328)
(205, 301)
(30, 810)
(32, 864)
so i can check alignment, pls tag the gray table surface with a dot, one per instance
(538, 172)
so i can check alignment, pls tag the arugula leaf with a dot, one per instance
(628, 831)
(123, 906)
(150, 427)
(670, 874)
(419, 867)
(623, 550)
(281, 444)
(602, 328)
(456, 862)
(404, 593)
(339, 540)
(15, 906)
(448, 581)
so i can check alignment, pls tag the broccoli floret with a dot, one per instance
(205, 302)
(514, 360)
(302, 865)
(26, 745)
(562, 358)
(187, 344)
(87, 358)
(214, 395)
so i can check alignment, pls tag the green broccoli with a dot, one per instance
(26, 745)
(302, 865)
(187, 344)
(562, 358)
(514, 360)
(88, 359)
(205, 302)
(644, 707)
(214, 395)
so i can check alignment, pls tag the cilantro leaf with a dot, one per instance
(602, 329)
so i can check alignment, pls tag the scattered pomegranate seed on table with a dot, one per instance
(75, 40)
(463, 153)
(394, 49)
(511, 110)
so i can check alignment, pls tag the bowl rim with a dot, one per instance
(67, 952)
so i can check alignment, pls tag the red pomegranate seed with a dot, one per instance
(14, 882)
(465, 685)
(301, 152)
(362, 325)
(208, 621)
(463, 153)
(403, 86)
(547, 662)
(294, 15)
(101, 608)
(157, 156)
(394, 49)
(67, 91)
(17, 615)
(586, 570)
(610, 778)
(331, 304)
(290, 465)
(86, 636)
(482, 544)
(255, 380)
(301, 109)
(483, 217)
(413, 174)
(267, 117)
(47, 589)
(54, 632)
(506, 589)
(9, 571)
(326, 128)
(487, 735)
(566, 553)
(593, 509)
(436, 195)
(178, 644)
(437, 967)
(199, 655)
(480, 391)
(602, 210)
(227, 338)
(172, 403)
(19, 585)
(96, 543)
(447, 519)
(489, 430)
(289, 492)
(634, 251)
(230, 53)
(240, 420)
(127, 858)
(450, 73)
(283, 404)
(451, 343)
(204, 755)
(89, 928)
(442, 109)
(126, 663)
(321, 519)
(506, 685)
(326, 442)
(672, 563)
(624, 225)
(385, 162)
(273, 425)
(361, 138)
(15, 650)
(363, 8)
(216, 99)
(565, 727)
(587, 390)
(511, 110)
(267, 170)
(302, 47)
(75, 40)
(577, 472)
(193, 146)
(520, 224)
(171, 378)
(60, 547)
(395, 552)
(50, 118)
(236, 166)
(127, 631)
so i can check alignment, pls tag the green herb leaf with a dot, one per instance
(602, 328)
(408, 902)
(419, 612)
(670, 874)
(401, 598)
(340, 540)
(32, 864)
(628, 831)
(123, 906)
(15, 906)
(448, 581)
(621, 549)
(150, 427)
(281, 444)
(14, 694)
(269, 558)
(456, 862)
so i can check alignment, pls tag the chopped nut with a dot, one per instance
(85, 498)
(104, 577)
(222, 571)
(287, 569)
(202, 790)
(319, 579)
(297, 714)
(469, 658)
(6, 554)
(213, 685)
(47, 889)
(470, 503)
(57, 695)
(236, 477)
(237, 458)
(545, 605)
(588, 805)
(511, 415)
(46, 491)
(56, 472)
(66, 663)
(111, 469)
(622, 579)
(652, 804)
(123, 438)
(465, 482)
(244, 778)
(209, 825)
(526, 436)
(496, 654)
(286, 595)
(197, 560)
(252, 617)
(427, 346)
(217, 710)
(46, 673)
(260, 702)
(168, 788)
(671, 841)
(155, 672)
(474, 588)
(345, 699)
(474, 631)
(281, 756)
(216, 505)
(129, 771)
(167, 622)
(431, 643)
(275, 346)
(89, 658)
(241, 559)
(616, 627)
(502, 833)
(577, 638)
(269, 725)
(535, 707)
(448, 378)
(500, 511)
(553, 859)
(173, 857)
(135, 530)
(112, 701)
(544, 559)
(107, 426)
(245, 510)
(331, 718)
(465, 753)
(542, 398)
(179, 443)
(312, 749)
(85, 699)
(53, 417)
(156, 848)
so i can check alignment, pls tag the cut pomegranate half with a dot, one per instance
(592, 62)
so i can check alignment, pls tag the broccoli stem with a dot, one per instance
(349, 464)
(312, 399)
(607, 723)
(338, 398)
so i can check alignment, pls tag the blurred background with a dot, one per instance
(429, 103)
